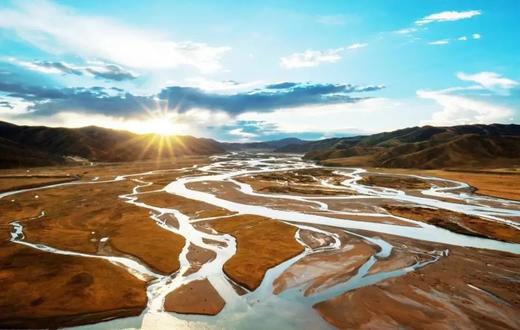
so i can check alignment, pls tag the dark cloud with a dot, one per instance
(268, 99)
(324, 88)
(98, 70)
(32, 93)
(263, 131)
(282, 85)
(5, 104)
(50, 100)
(59, 66)
(89, 101)
(111, 72)
(369, 88)
(114, 101)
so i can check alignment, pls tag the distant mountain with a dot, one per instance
(267, 145)
(307, 146)
(423, 147)
(22, 146)
(416, 147)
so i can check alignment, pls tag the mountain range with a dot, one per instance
(22, 146)
(424, 147)
(274, 145)
(493, 145)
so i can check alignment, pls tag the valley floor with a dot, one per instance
(501, 182)
(249, 241)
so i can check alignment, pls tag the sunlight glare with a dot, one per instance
(160, 126)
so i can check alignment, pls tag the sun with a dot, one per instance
(161, 126)
(160, 121)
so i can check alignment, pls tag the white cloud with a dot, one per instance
(311, 58)
(240, 133)
(57, 29)
(34, 66)
(489, 80)
(341, 118)
(12, 106)
(193, 122)
(74, 120)
(96, 69)
(474, 36)
(221, 86)
(461, 110)
(439, 42)
(357, 46)
(448, 16)
(406, 31)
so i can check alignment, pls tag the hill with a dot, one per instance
(22, 146)
(425, 147)
(267, 145)
(310, 145)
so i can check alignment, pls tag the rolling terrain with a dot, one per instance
(424, 147)
(427, 147)
(24, 146)
(264, 146)
(239, 240)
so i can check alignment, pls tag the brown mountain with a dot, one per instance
(263, 146)
(416, 147)
(423, 147)
(22, 146)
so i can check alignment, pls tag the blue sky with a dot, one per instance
(259, 70)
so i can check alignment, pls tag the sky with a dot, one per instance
(260, 70)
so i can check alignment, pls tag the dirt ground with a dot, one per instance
(322, 270)
(196, 297)
(45, 290)
(503, 183)
(9, 183)
(468, 289)
(458, 222)
(261, 244)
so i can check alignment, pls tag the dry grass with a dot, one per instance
(196, 297)
(397, 182)
(503, 183)
(487, 183)
(107, 170)
(44, 290)
(190, 207)
(438, 296)
(41, 290)
(261, 244)
(458, 222)
(78, 216)
(9, 183)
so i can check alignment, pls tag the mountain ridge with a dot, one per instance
(264, 145)
(412, 147)
(427, 147)
(41, 146)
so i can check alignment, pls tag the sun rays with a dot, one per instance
(159, 134)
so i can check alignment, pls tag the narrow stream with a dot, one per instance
(289, 309)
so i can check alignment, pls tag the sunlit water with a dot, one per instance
(261, 308)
